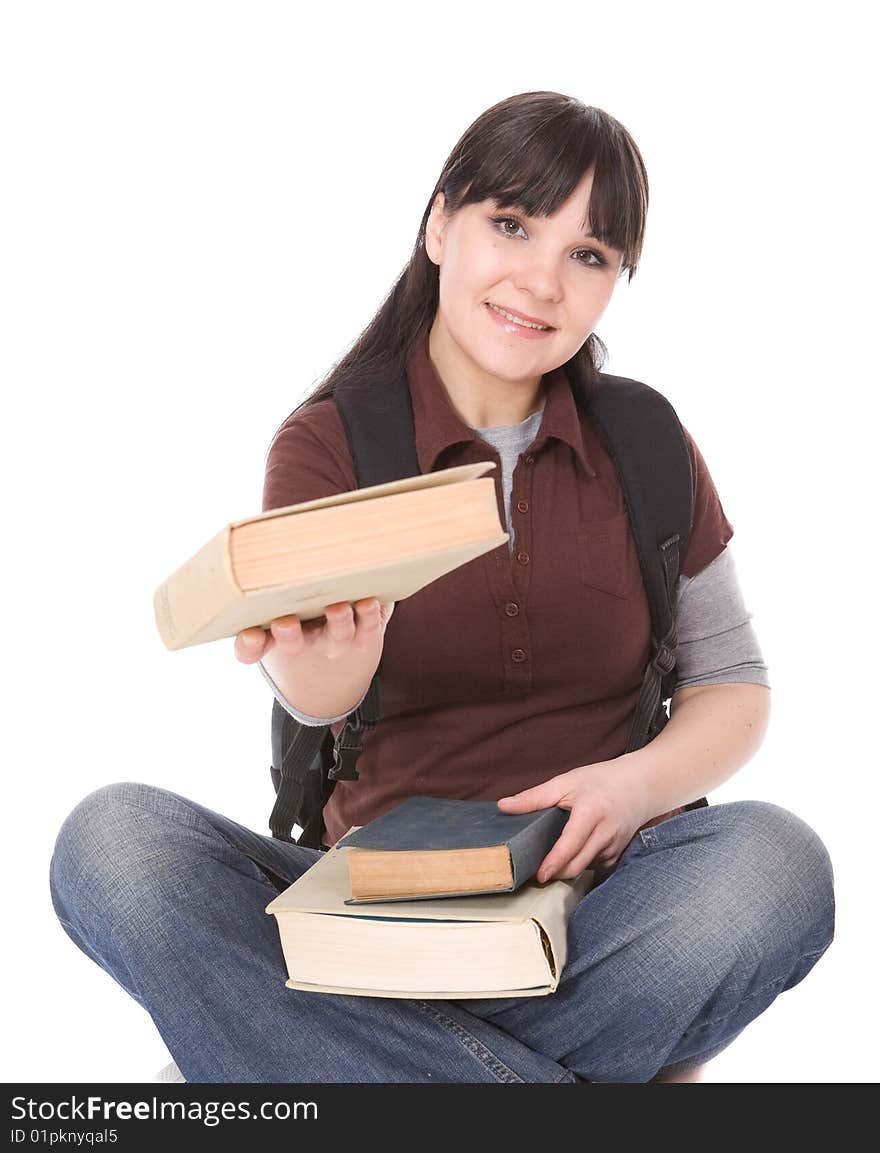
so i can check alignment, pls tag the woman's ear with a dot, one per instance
(434, 226)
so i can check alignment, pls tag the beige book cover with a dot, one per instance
(386, 541)
(499, 944)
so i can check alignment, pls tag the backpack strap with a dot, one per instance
(296, 763)
(644, 438)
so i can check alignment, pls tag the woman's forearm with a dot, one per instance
(712, 731)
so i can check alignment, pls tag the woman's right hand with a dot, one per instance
(345, 628)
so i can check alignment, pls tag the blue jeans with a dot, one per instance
(704, 921)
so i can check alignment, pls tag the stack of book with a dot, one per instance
(435, 898)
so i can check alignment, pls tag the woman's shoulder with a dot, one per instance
(710, 528)
(309, 458)
(319, 419)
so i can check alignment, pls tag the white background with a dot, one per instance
(204, 204)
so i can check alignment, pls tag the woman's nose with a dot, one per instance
(539, 277)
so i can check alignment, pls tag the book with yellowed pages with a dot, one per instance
(427, 847)
(495, 945)
(385, 541)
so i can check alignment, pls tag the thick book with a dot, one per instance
(498, 945)
(385, 541)
(428, 847)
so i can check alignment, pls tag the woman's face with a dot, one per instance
(545, 268)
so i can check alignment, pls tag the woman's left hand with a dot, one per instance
(605, 811)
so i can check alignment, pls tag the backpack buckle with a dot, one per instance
(343, 768)
(346, 751)
(347, 746)
(664, 660)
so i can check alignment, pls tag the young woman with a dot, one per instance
(514, 678)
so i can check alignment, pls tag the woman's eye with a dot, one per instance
(600, 261)
(583, 254)
(500, 221)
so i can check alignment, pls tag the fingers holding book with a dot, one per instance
(357, 625)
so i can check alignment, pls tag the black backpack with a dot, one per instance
(643, 436)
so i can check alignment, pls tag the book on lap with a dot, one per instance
(385, 541)
(428, 847)
(494, 945)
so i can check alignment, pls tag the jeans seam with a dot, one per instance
(474, 1046)
(201, 822)
(197, 821)
(565, 1075)
(751, 996)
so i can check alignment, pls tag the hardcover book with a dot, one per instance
(385, 541)
(445, 847)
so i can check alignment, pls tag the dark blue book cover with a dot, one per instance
(422, 823)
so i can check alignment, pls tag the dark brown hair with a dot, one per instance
(528, 152)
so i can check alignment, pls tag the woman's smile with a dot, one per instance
(516, 327)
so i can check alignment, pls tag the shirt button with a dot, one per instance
(522, 557)
(518, 655)
(522, 505)
(512, 609)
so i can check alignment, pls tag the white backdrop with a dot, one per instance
(204, 203)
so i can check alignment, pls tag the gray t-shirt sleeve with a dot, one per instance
(304, 718)
(716, 641)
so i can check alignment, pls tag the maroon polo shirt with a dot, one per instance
(512, 668)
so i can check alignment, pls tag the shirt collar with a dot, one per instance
(438, 425)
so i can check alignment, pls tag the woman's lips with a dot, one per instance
(510, 326)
